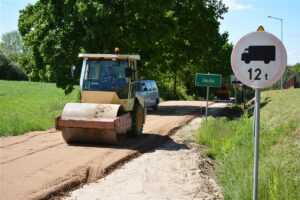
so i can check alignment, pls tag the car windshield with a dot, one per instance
(104, 75)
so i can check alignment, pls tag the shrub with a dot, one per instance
(9, 70)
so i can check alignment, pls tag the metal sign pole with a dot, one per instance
(208, 80)
(257, 76)
(206, 111)
(256, 142)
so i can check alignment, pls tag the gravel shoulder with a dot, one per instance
(174, 170)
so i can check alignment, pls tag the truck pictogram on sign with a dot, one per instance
(259, 53)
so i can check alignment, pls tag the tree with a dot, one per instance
(171, 36)
(196, 33)
(11, 45)
(292, 71)
(11, 55)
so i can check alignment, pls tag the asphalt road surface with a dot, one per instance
(41, 165)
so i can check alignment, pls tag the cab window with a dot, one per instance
(153, 85)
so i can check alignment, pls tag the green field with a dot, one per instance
(230, 143)
(30, 106)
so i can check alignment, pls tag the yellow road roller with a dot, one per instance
(109, 106)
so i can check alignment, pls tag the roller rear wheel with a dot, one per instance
(137, 120)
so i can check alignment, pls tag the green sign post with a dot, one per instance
(208, 80)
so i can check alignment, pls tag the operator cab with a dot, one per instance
(104, 75)
(107, 72)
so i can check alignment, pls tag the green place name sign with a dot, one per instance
(208, 80)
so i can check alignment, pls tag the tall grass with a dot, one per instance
(231, 144)
(29, 106)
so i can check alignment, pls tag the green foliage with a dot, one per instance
(9, 70)
(28, 106)
(13, 57)
(11, 45)
(165, 85)
(172, 37)
(215, 61)
(292, 71)
(231, 144)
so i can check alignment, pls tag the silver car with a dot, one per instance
(148, 89)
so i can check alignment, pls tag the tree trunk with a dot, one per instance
(175, 84)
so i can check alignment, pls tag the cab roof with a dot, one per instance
(109, 56)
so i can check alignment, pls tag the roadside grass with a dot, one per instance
(30, 106)
(230, 143)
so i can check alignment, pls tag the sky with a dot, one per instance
(243, 16)
(246, 16)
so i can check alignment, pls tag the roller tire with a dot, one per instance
(137, 120)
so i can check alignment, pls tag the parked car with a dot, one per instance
(148, 89)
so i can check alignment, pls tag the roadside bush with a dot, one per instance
(10, 71)
(166, 90)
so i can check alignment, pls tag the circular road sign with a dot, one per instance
(258, 59)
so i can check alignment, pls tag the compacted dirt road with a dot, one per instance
(40, 165)
(174, 170)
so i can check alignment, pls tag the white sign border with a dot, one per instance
(235, 66)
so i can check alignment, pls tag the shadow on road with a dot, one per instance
(178, 110)
(229, 113)
(141, 144)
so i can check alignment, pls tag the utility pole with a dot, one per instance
(281, 38)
